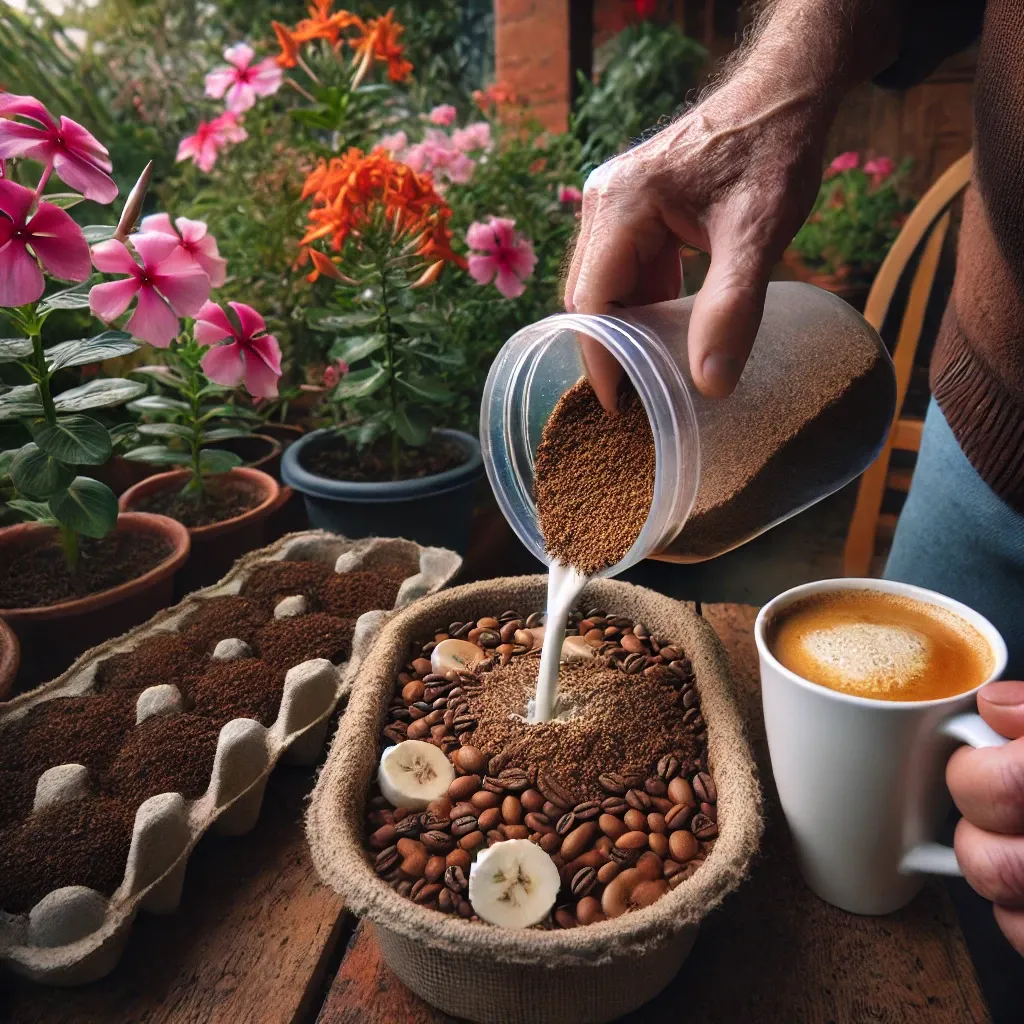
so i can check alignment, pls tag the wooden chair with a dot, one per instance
(923, 235)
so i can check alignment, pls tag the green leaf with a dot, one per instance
(107, 345)
(224, 433)
(63, 200)
(87, 506)
(432, 390)
(6, 458)
(420, 318)
(158, 403)
(76, 297)
(343, 321)
(122, 432)
(21, 401)
(165, 430)
(158, 455)
(361, 383)
(213, 389)
(38, 475)
(78, 440)
(229, 412)
(454, 358)
(99, 394)
(212, 460)
(37, 511)
(370, 429)
(98, 232)
(351, 350)
(14, 348)
(413, 426)
(161, 374)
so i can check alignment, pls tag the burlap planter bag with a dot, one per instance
(532, 976)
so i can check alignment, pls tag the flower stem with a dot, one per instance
(389, 346)
(43, 179)
(43, 374)
(69, 544)
(302, 92)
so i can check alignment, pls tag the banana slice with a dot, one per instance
(513, 884)
(460, 655)
(413, 773)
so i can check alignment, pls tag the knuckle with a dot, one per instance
(995, 868)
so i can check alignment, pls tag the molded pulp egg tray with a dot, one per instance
(74, 935)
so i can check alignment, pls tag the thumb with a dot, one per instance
(726, 315)
(1002, 706)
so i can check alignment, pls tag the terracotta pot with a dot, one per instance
(851, 287)
(120, 473)
(286, 433)
(10, 658)
(214, 547)
(257, 451)
(52, 636)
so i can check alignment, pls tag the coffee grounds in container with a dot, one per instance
(82, 842)
(348, 595)
(17, 792)
(594, 478)
(284, 643)
(244, 688)
(267, 584)
(157, 659)
(221, 618)
(165, 754)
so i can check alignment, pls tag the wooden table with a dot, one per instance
(258, 940)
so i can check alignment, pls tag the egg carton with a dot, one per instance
(75, 935)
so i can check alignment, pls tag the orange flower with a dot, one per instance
(496, 95)
(320, 24)
(379, 40)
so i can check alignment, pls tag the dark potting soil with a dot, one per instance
(244, 688)
(41, 576)
(338, 460)
(68, 730)
(17, 792)
(222, 618)
(284, 643)
(267, 584)
(160, 658)
(82, 842)
(165, 754)
(222, 500)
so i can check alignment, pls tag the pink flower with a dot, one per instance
(252, 354)
(844, 162)
(210, 137)
(501, 254)
(56, 240)
(459, 168)
(395, 142)
(194, 241)
(880, 168)
(442, 115)
(168, 284)
(332, 374)
(569, 194)
(474, 136)
(79, 159)
(417, 157)
(242, 80)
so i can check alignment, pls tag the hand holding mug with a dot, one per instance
(988, 788)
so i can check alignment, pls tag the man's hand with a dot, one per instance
(988, 788)
(736, 176)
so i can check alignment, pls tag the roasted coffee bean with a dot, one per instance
(384, 837)
(458, 859)
(649, 865)
(536, 619)
(554, 790)
(638, 800)
(538, 822)
(417, 887)
(461, 809)
(497, 763)
(658, 842)
(704, 788)
(471, 760)
(418, 729)
(687, 871)
(710, 811)
(511, 810)
(634, 820)
(400, 715)
(449, 719)
(691, 716)
(464, 723)
(437, 842)
(455, 879)
(661, 805)
(465, 909)
(595, 636)
(565, 824)
(669, 868)
(632, 644)
(413, 691)
(681, 792)
(550, 842)
(565, 918)
(612, 783)
(489, 819)
(409, 826)
(449, 744)
(464, 787)
(386, 860)
(435, 868)
(655, 787)
(579, 839)
(612, 826)
(515, 780)
(473, 841)
(588, 911)
(690, 699)
(421, 666)
(438, 732)
(532, 800)
(668, 768)
(634, 664)
(508, 631)
(632, 841)
(614, 805)
(587, 811)
(553, 811)
(394, 734)
(493, 784)
(445, 903)
(603, 844)
(464, 825)
(606, 872)
(678, 817)
(683, 846)
(624, 857)
(516, 832)
(505, 652)
(414, 858)
(703, 828)
(402, 886)
(583, 882)
(484, 799)
(656, 822)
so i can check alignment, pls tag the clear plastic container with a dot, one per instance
(810, 413)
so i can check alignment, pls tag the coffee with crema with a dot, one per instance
(881, 646)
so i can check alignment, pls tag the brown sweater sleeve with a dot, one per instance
(936, 29)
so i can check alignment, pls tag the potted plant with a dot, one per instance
(10, 659)
(73, 571)
(382, 467)
(223, 503)
(855, 219)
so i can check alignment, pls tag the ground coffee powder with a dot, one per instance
(245, 688)
(221, 618)
(267, 584)
(348, 595)
(594, 478)
(82, 842)
(17, 791)
(159, 658)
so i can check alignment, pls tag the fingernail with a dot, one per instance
(1005, 694)
(721, 372)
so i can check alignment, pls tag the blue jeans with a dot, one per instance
(957, 537)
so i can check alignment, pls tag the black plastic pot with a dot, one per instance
(432, 510)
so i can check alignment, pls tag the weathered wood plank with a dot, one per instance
(773, 952)
(250, 944)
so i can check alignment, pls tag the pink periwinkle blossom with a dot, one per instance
(77, 157)
(500, 254)
(210, 137)
(442, 115)
(252, 355)
(242, 80)
(194, 242)
(847, 161)
(168, 285)
(333, 374)
(475, 136)
(569, 194)
(879, 168)
(395, 142)
(49, 237)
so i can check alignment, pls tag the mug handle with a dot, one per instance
(935, 858)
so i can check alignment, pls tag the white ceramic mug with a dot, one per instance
(862, 781)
